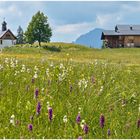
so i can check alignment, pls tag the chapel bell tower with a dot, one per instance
(4, 24)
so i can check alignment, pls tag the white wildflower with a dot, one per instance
(61, 66)
(23, 68)
(101, 89)
(79, 83)
(36, 68)
(83, 83)
(35, 75)
(28, 70)
(60, 77)
(28, 105)
(16, 61)
(13, 116)
(96, 61)
(51, 65)
(12, 119)
(79, 109)
(82, 124)
(11, 83)
(47, 72)
(12, 64)
(16, 72)
(48, 105)
(1, 67)
(65, 119)
(6, 60)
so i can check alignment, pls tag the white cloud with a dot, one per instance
(1, 11)
(73, 28)
(12, 9)
(131, 8)
(105, 20)
(69, 32)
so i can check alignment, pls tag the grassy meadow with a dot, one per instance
(64, 90)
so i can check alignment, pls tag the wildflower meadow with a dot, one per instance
(46, 94)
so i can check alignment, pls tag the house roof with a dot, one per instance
(123, 30)
(127, 27)
(2, 33)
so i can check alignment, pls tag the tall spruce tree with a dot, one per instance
(20, 35)
(38, 29)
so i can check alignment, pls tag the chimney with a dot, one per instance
(131, 28)
(116, 29)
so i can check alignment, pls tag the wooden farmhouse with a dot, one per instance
(7, 38)
(122, 36)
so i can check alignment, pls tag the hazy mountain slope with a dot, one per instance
(91, 39)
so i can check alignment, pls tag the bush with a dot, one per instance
(52, 48)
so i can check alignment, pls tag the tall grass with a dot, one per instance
(70, 87)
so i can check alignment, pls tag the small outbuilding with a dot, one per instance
(7, 38)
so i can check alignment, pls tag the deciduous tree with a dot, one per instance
(38, 29)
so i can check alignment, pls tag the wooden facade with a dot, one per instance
(122, 41)
(8, 35)
(122, 38)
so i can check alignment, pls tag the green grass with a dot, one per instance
(97, 81)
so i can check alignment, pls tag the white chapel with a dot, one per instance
(7, 38)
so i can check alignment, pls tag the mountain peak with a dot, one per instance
(91, 39)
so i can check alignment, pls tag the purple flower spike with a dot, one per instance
(50, 113)
(70, 88)
(78, 118)
(49, 82)
(86, 128)
(36, 93)
(33, 80)
(93, 79)
(138, 123)
(102, 121)
(108, 132)
(38, 108)
(30, 127)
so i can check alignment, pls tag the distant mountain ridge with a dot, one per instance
(91, 39)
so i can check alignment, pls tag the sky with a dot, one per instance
(69, 20)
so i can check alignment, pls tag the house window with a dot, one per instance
(0, 41)
(131, 41)
(7, 35)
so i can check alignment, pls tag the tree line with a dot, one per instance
(37, 30)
